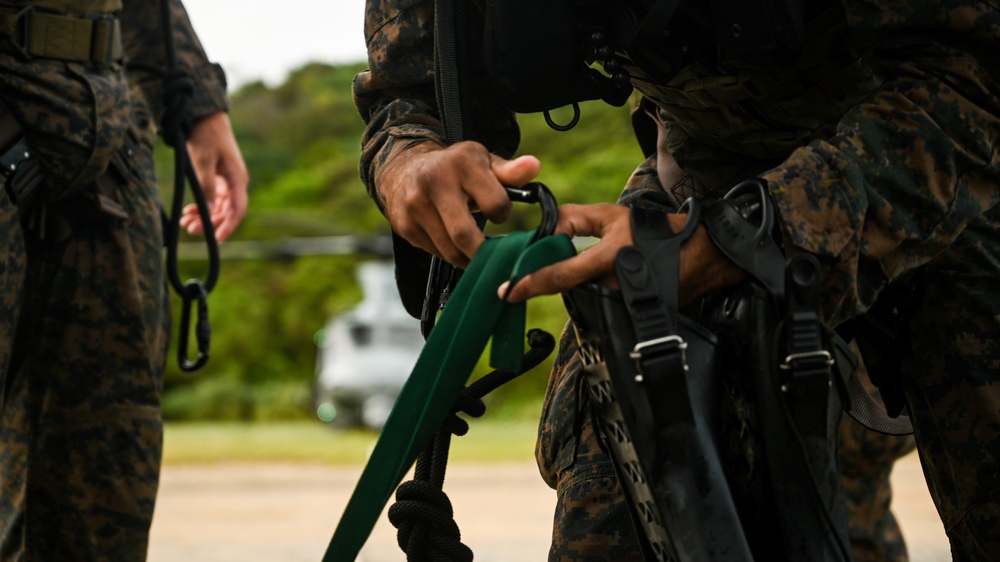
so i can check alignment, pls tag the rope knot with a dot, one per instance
(425, 520)
(179, 87)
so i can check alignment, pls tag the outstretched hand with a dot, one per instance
(703, 268)
(223, 175)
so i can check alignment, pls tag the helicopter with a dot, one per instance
(365, 354)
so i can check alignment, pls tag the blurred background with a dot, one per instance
(309, 342)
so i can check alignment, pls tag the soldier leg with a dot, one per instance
(952, 384)
(591, 518)
(81, 432)
(866, 459)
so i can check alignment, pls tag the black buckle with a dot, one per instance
(538, 192)
(21, 27)
(659, 346)
(21, 171)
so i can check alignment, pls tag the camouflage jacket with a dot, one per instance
(75, 115)
(889, 185)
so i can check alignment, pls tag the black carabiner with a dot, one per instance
(194, 291)
(442, 277)
(538, 192)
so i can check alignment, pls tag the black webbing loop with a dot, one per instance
(177, 126)
(422, 513)
(451, 87)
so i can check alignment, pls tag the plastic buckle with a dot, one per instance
(21, 172)
(21, 27)
(667, 344)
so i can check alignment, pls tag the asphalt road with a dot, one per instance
(287, 512)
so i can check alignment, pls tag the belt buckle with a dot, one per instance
(21, 27)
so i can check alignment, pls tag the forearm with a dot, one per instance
(395, 96)
(907, 170)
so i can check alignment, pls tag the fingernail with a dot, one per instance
(502, 291)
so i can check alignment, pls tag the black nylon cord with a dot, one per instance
(177, 126)
(422, 513)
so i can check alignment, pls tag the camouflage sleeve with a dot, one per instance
(395, 96)
(909, 167)
(145, 49)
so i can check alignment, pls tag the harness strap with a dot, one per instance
(472, 316)
(77, 38)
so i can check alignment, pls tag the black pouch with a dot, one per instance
(721, 425)
(763, 31)
(536, 53)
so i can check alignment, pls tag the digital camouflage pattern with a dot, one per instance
(84, 316)
(906, 175)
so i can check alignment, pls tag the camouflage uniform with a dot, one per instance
(84, 317)
(892, 165)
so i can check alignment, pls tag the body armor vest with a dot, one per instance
(762, 110)
(759, 79)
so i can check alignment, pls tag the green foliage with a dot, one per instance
(301, 142)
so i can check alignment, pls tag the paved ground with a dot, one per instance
(287, 512)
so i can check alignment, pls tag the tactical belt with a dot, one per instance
(30, 33)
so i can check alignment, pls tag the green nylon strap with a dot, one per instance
(473, 314)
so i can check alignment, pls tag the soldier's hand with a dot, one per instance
(702, 267)
(428, 192)
(223, 175)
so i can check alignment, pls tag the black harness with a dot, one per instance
(721, 421)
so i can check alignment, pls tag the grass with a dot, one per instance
(313, 442)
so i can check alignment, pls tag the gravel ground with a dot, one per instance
(287, 512)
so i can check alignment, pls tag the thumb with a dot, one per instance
(516, 172)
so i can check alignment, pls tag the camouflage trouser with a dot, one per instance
(83, 332)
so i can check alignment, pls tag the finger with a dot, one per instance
(222, 211)
(455, 225)
(516, 172)
(490, 197)
(480, 183)
(590, 220)
(233, 187)
(440, 238)
(596, 263)
(190, 220)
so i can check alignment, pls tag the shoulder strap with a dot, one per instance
(451, 66)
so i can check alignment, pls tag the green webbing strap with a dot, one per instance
(472, 315)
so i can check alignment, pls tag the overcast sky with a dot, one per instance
(264, 39)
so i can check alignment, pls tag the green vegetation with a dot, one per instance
(311, 442)
(301, 142)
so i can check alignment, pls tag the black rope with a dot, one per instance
(177, 125)
(423, 515)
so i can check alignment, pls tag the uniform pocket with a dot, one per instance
(74, 117)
